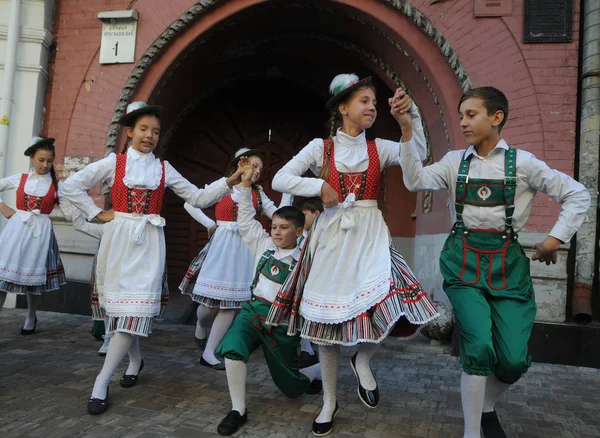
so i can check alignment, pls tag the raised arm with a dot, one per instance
(201, 198)
(199, 216)
(77, 185)
(253, 233)
(389, 151)
(433, 177)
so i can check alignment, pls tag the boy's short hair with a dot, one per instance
(493, 99)
(312, 204)
(291, 214)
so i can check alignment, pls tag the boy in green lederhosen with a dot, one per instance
(276, 257)
(485, 270)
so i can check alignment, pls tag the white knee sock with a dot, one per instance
(329, 357)
(2, 299)
(494, 388)
(135, 357)
(305, 346)
(220, 326)
(120, 343)
(472, 392)
(236, 380)
(312, 372)
(204, 316)
(363, 365)
(32, 304)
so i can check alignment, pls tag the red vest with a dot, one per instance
(45, 204)
(365, 185)
(139, 201)
(227, 210)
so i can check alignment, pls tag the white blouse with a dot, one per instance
(140, 172)
(351, 155)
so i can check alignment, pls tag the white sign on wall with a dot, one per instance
(119, 29)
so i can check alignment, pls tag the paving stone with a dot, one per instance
(46, 379)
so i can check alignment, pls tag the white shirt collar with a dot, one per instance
(33, 175)
(500, 145)
(136, 155)
(341, 138)
(280, 254)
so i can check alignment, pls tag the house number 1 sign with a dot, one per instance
(119, 29)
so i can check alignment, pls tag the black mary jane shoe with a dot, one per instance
(491, 425)
(97, 406)
(129, 380)
(26, 332)
(316, 386)
(218, 366)
(232, 422)
(370, 398)
(306, 360)
(324, 429)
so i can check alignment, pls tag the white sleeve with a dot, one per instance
(389, 151)
(77, 185)
(268, 206)
(10, 183)
(289, 179)
(433, 177)
(201, 198)
(253, 233)
(287, 200)
(573, 196)
(199, 216)
(80, 224)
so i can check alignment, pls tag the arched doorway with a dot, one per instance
(234, 76)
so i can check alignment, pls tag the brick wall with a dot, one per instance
(540, 80)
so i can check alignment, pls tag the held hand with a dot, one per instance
(247, 172)
(106, 216)
(329, 196)
(546, 251)
(6, 211)
(400, 105)
(236, 177)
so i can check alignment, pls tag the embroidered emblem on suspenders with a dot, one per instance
(274, 270)
(484, 192)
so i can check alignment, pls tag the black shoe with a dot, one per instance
(368, 397)
(25, 331)
(324, 429)
(232, 422)
(315, 387)
(201, 343)
(306, 359)
(491, 426)
(218, 366)
(97, 406)
(129, 380)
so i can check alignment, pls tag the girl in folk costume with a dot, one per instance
(29, 257)
(130, 271)
(219, 278)
(351, 285)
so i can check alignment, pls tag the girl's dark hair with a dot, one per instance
(493, 100)
(291, 214)
(50, 148)
(132, 125)
(335, 122)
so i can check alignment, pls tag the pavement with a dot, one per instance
(46, 379)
